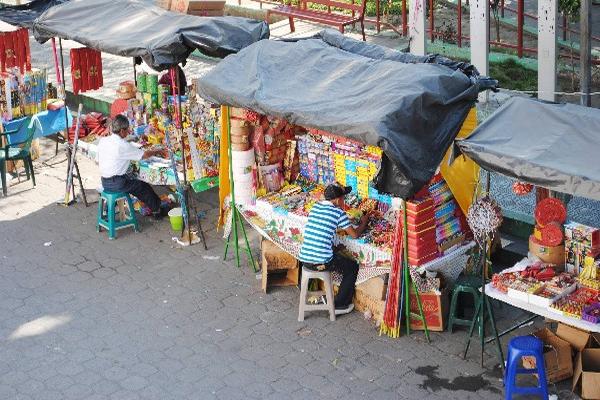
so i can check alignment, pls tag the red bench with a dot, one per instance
(324, 17)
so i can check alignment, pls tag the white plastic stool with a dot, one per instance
(329, 305)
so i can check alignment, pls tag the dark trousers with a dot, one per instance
(349, 270)
(142, 190)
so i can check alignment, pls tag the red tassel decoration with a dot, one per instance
(83, 63)
(75, 71)
(2, 53)
(19, 51)
(10, 49)
(99, 78)
(27, 50)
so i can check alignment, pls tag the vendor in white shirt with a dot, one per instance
(114, 158)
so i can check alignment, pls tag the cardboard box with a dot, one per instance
(577, 338)
(587, 373)
(205, 5)
(207, 13)
(557, 357)
(548, 254)
(435, 309)
(375, 287)
(166, 4)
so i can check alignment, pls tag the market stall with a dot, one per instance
(159, 114)
(538, 144)
(353, 114)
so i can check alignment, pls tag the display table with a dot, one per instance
(45, 123)
(540, 311)
(155, 171)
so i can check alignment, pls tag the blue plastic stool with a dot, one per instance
(525, 346)
(108, 202)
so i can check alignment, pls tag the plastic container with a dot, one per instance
(176, 218)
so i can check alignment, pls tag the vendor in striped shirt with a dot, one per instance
(317, 252)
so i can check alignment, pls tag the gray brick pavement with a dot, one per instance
(137, 318)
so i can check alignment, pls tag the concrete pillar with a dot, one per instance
(547, 48)
(417, 30)
(479, 19)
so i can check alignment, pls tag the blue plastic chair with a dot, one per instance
(525, 346)
(108, 221)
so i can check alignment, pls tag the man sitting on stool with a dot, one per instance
(324, 219)
(114, 159)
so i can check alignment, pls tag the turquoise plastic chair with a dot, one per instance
(15, 151)
(107, 212)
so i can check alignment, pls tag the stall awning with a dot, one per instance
(412, 107)
(555, 146)
(131, 28)
(24, 14)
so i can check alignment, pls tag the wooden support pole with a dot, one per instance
(404, 19)
(585, 42)
(459, 24)
(431, 21)
(547, 49)
(520, 22)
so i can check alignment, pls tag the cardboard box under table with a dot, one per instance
(557, 357)
(435, 309)
(278, 267)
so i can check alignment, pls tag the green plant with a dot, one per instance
(512, 75)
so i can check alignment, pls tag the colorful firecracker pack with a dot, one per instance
(581, 241)
(22, 94)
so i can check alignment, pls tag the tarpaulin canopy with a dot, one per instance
(412, 107)
(24, 14)
(555, 146)
(131, 28)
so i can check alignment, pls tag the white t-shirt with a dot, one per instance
(115, 155)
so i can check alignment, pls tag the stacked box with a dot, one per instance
(421, 231)
(447, 213)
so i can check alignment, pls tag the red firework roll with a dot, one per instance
(75, 71)
(550, 210)
(552, 234)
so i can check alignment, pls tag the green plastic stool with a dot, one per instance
(469, 285)
(107, 213)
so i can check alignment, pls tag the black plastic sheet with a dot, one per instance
(24, 14)
(412, 107)
(555, 146)
(130, 28)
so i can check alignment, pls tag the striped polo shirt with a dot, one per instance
(324, 220)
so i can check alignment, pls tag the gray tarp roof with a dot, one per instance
(556, 146)
(410, 106)
(24, 14)
(131, 28)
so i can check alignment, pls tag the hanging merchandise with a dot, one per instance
(484, 217)
(394, 299)
(86, 69)
(522, 188)
(15, 51)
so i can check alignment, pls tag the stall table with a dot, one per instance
(538, 311)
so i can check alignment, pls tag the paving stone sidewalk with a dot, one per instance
(82, 317)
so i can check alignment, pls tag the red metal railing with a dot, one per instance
(433, 34)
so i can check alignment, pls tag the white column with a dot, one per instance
(479, 19)
(416, 25)
(547, 49)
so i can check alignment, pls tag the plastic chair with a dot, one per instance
(468, 285)
(329, 305)
(15, 151)
(517, 348)
(108, 202)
